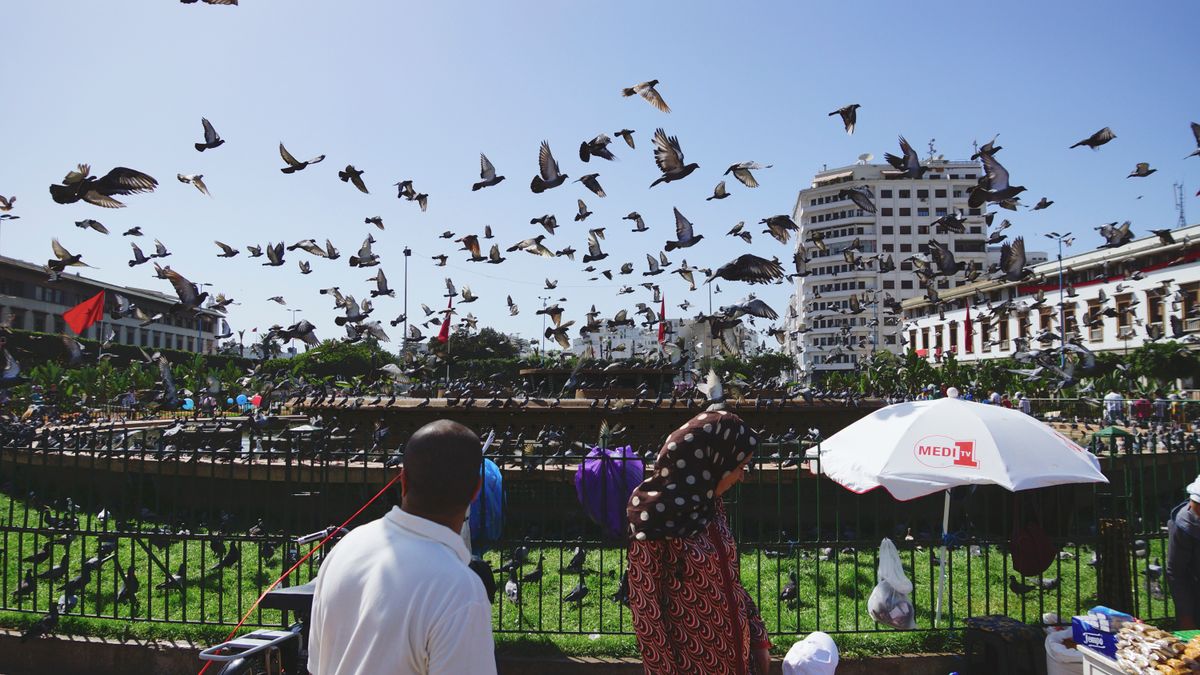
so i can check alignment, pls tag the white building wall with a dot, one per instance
(924, 326)
(900, 228)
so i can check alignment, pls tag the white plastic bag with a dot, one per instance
(1060, 659)
(889, 602)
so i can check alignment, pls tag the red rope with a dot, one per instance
(306, 556)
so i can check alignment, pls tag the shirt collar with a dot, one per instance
(430, 530)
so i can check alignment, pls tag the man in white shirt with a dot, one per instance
(396, 596)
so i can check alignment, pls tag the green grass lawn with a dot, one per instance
(832, 593)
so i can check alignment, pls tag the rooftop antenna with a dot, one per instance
(1178, 187)
(865, 157)
(932, 150)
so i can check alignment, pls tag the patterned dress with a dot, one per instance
(690, 612)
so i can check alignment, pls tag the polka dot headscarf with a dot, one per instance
(677, 499)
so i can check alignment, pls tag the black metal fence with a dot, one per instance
(189, 524)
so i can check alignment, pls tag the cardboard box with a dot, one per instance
(1087, 634)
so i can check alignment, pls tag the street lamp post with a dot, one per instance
(200, 320)
(542, 351)
(1062, 321)
(292, 341)
(407, 255)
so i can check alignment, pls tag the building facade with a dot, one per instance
(821, 334)
(626, 342)
(36, 304)
(1113, 299)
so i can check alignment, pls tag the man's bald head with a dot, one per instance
(441, 467)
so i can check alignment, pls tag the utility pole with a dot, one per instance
(407, 254)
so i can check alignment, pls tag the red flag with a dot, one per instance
(85, 313)
(968, 332)
(662, 321)
(443, 335)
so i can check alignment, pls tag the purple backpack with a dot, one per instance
(604, 482)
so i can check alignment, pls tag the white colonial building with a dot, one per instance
(819, 336)
(1114, 299)
(628, 341)
(35, 304)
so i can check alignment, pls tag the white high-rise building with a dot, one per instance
(823, 334)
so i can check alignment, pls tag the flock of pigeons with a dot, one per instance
(355, 315)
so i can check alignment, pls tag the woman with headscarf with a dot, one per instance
(690, 611)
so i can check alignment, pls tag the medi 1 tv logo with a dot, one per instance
(941, 452)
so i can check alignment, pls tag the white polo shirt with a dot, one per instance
(396, 597)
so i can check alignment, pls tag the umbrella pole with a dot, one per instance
(944, 561)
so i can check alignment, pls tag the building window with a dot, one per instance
(905, 211)
(886, 229)
(1002, 333)
(954, 336)
(905, 194)
(1124, 316)
(1095, 321)
(958, 194)
(130, 335)
(906, 248)
(1072, 320)
(975, 229)
(885, 194)
(1154, 307)
(18, 318)
(889, 247)
(940, 194)
(969, 246)
(889, 284)
(144, 338)
(1191, 307)
(922, 194)
(60, 326)
(923, 213)
(940, 211)
(906, 284)
(906, 229)
(923, 229)
(985, 332)
(974, 212)
(1045, 318)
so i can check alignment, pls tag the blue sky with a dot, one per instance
(417, 90)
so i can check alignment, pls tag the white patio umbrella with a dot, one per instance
(917, 448)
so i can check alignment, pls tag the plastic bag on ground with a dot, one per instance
(889, 603)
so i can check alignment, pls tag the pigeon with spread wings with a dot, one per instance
(548, 174)
(669, 158)
(293, 164)
(211, 138)
(189, 294)
(487, 174)
(81, 185)
(647, 91)
(849, 115)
